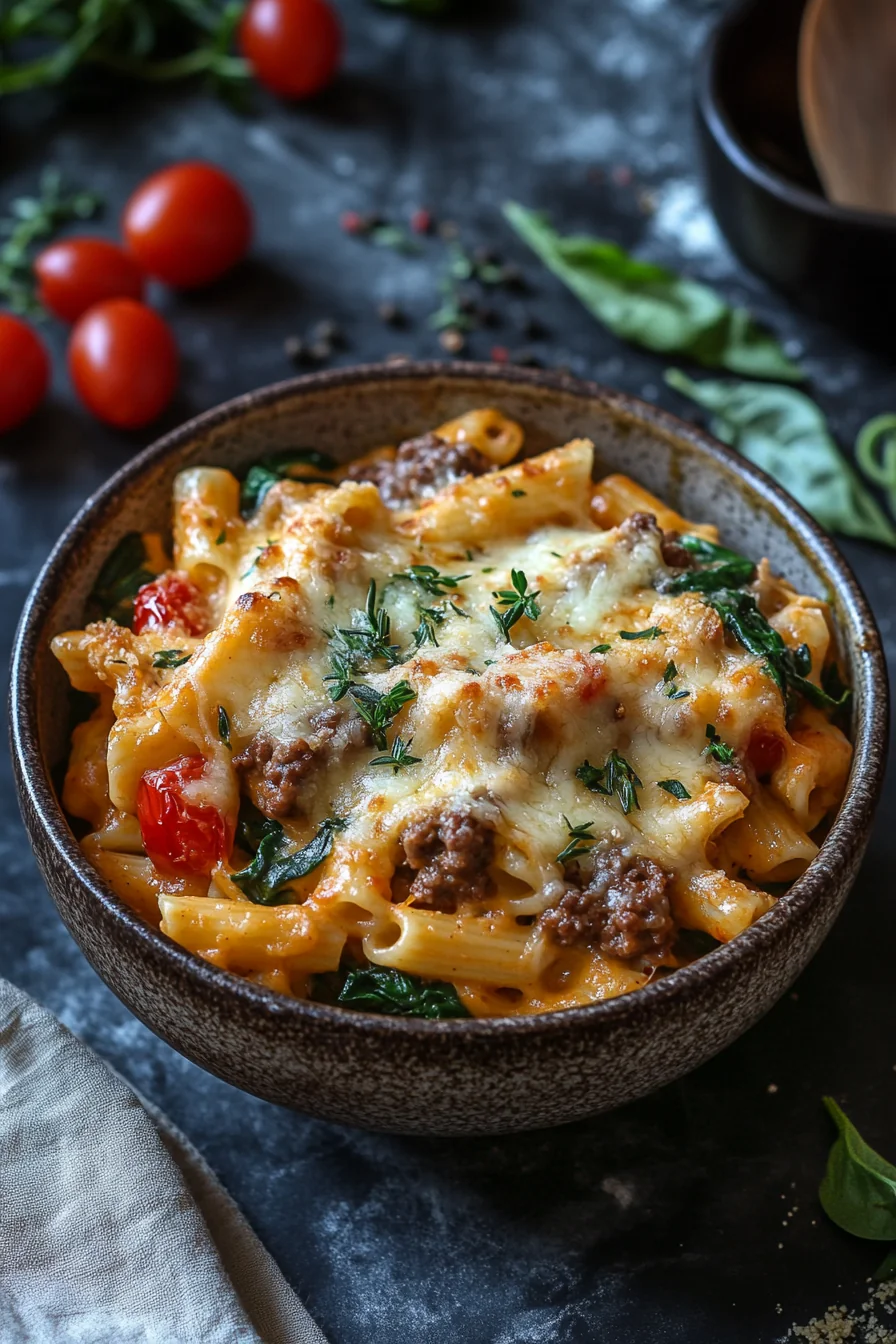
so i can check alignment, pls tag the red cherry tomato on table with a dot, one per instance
(78, 272)
(170, 600)
(188, 224)
(123, 362)
(180, 835)
(293, 46)
(24, 372)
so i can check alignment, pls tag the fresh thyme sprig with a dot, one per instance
(716, 749)
(614, 778)
(430, 580)
(518, 601)
(399, 757)
(167, 658)
(672, 691)
(366, 640)
(33, 220)
(378, 710)
(580, 841)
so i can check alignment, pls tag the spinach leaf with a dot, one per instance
(379, 989)
(784, 432)
(720, 568)
(858, 1192)
(651, 306)
(278, 467)
(123, 573)
(265, 879)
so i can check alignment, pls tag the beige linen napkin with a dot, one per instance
(114, 1230)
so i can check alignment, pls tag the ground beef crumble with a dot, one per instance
(278, 768)
(420, 468)
(447, 853)
(674, 554)
(619, 903)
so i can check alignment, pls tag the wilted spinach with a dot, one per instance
(265, 879)
(267, 471)
(379, 989)
(123, 574)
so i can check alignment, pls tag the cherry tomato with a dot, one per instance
(170, 600)
(293, 46)
(123, 362)
(24, 372)
(179, 835)
(78, 272)
(765, 751)
(188, 224)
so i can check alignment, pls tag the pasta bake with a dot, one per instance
(449, 730)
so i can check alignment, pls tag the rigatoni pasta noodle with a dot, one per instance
(449, 730)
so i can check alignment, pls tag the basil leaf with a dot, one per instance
(858, 1192)
(264, 879)
(651, 306)
(383, 990)
(123, 574)
(784, 432)
(267, 471)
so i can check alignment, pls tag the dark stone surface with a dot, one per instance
(692, 1215)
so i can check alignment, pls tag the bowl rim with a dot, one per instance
(714, 112)
(849, 829)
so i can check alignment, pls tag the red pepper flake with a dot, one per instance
(500, 354)
(350, 221)
(622, 175)
(421, 221)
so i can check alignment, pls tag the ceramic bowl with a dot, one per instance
(761, 183)
(468, 1076)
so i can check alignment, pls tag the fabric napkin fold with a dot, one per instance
(113, 1229)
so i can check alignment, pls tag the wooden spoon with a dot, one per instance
(847, 88)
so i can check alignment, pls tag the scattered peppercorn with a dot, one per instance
(533, 328)
(512, 277)
(391, 314)
(294, 349)
(327, 332)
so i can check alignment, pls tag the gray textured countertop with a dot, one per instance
(690, 1216)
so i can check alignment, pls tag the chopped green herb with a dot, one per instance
(488, 569)
(518, 601)
(672, 692)
(518, 494)
(614, 778)
(278, 467)
(378, 710)
(425, 633)
(167, 658)
(653, 632)
(858, 1192)
(675, 787)
(580, 841)
(33, 220)
(379, 989)
(221, 537)
(717, 750)
(651, 306)
(399, 756)
(459, 611)
(430, 580)
(224, 727)
(366, 640)
(264, 880)
(556, 555)
(123, 574)
(602, 648)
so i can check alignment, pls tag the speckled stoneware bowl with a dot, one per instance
(452, 1077)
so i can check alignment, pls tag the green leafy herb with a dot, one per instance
(379, 989)
(614, 778)
(430, 580)
(33, 220)
(788, 668)
(168, 658)
(716, 749)
(858, 1192)
(672, 692)
(224, 727)
(425, 633)
(366, 640)
(378, 710)
(651, 306)
(784, 432)
(123, 574)
(265, 473)
(399, 756)
(580, 841)
(653, 632)
(43, 42)
(720, 568)
(675, 787)
(601, 648)
(518, 494)
(264, 880)
(221, 537)
(518, 601)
